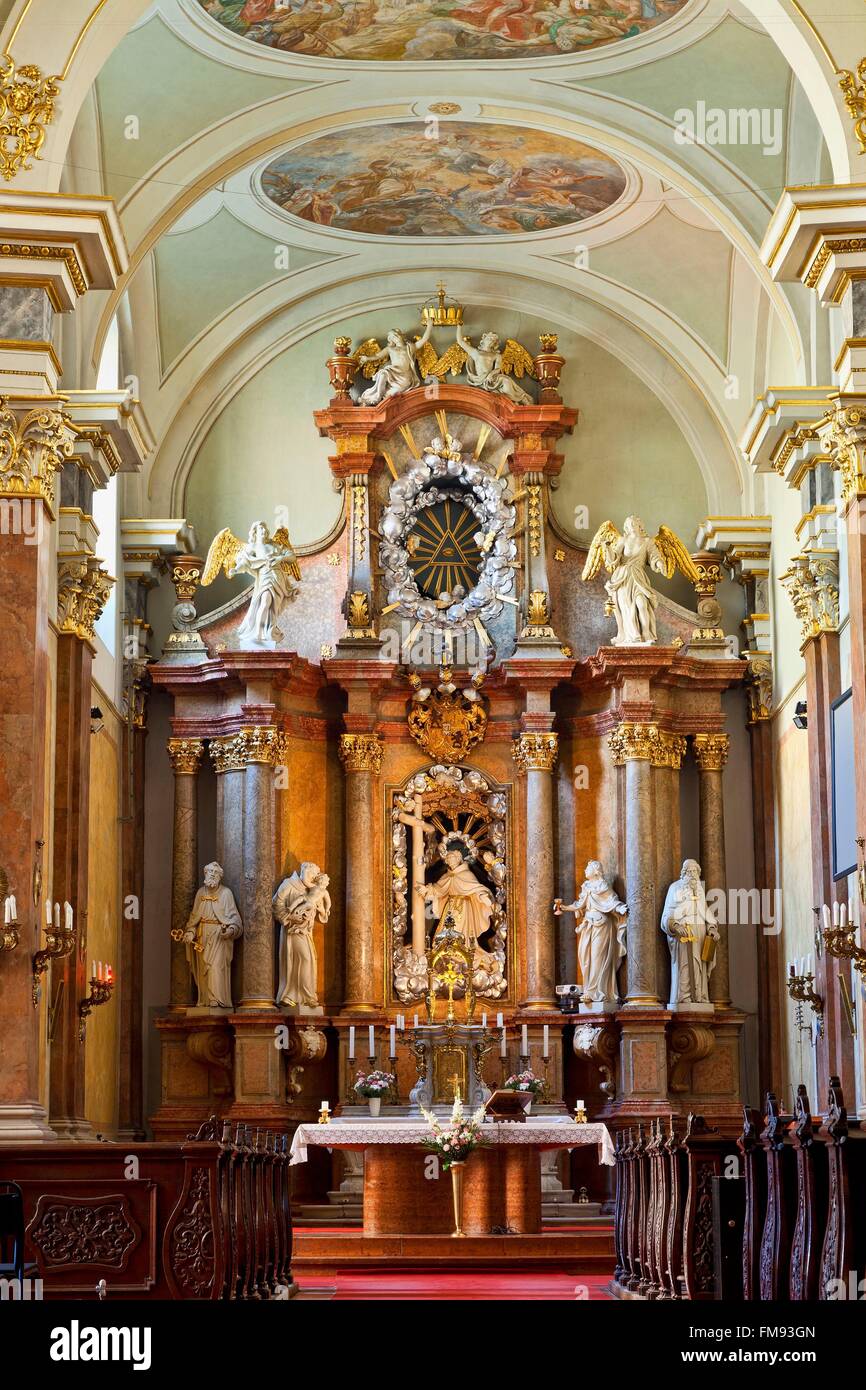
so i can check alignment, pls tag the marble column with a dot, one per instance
(535, 755)
(361, 755)
(711, 753)
(667, 762)
(635, 747)
(185, 755)
(230, 781)
(258, 749)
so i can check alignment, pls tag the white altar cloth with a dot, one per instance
(545, 1133)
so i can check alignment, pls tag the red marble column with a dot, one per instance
(24, 681)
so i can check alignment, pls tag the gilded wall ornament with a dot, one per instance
(854, 94)
(26, 108)
(358, 614)
(255, 744)
(630, 742)
(759, 686)
(185, 755)
(83, 589)
(711, 751)
(33, 448)
(447, 722)
(361, 752)
(812, 584)
(843, 435)
(535, 752)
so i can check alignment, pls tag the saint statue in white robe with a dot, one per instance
(210, 934)
(472, 902)
(600, 933)
(301, 900)
(690, 927)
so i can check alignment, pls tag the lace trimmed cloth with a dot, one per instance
(363, 1134)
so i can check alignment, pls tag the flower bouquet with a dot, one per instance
(454, 1143)
(527, 1082)
(374, 1085)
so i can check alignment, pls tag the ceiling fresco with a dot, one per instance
(473, 180)
(394, 30)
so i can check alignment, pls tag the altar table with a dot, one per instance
(502, 1178)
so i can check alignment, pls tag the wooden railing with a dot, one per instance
(793, 1184)
(206, 1219)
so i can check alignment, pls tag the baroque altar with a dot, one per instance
(428, 726)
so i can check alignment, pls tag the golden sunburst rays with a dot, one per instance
(409, 438)
(472, 826)
(483, 436)
(390, 462)
(445, 552)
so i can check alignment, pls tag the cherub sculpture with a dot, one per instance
(271, 562)
(628, 559)
(488, 366)
(395, 367)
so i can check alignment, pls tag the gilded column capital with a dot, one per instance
(759, 686)
(812, 584)
(534, 752)
(34, 446)
(669, 750)
(361, 752)
(185, 755)
(83, 589)
(711, 751)
(254, 744)
(630, 742)
(843, 435)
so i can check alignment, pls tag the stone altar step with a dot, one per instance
(322, 1253)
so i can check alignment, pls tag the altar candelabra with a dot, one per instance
(9, 937)
(59, 942)
(840, 934)
(101, 986)
(800, 984)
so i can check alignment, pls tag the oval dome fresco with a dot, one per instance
(439, 30)
(474, 180)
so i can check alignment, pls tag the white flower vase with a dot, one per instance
(375, 1104)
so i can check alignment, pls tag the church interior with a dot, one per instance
(433, 651)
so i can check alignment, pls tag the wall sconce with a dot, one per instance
(800, 981)
(839, 937)
(97, 722)
(9, 936)
(59, 942)
(101, 986)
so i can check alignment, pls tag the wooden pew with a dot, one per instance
(810, 1153)
(843, 1253)
(754, 1168)
(775, 1255)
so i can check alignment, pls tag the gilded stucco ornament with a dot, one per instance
(33, 448)
(444, 474)
(630, 742)
(711, 751)
(812, 584)
(185, 755)
(447, 722)
(26, 108)
(361, 752)
(854, 94)
(83, 589)
(843, 435)
(535, 752)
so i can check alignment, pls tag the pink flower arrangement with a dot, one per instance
(455, 1142)
(373, 1083)
(525, 1081)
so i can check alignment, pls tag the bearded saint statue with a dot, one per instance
(470, 901)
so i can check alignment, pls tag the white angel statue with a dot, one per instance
(628, 559)
(395, 367)
(271, 562)
(488, 365)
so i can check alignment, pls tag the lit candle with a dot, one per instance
(524, 1041)
(108, 974)
(546, 1040)
(499, 1020)
(392, 1041)
(372, 1032)
(67, 908)
(502, 1045)
(351, 1042)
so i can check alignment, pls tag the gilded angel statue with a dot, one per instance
(488, 365)
(395, 367)
(271, 562)
(628, 559)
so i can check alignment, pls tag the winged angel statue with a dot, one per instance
(628, 559)
(405, 362)
(271, 562)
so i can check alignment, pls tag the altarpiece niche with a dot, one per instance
(449, 859)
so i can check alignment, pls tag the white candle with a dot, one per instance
(415, 1024)
(7, 910)
(392, 1041)
(99, 976)
(546, 1040)
(843, 916)
(825, 913)
(57, 917)
(372, 1032)
(93, 970)
(809, 964)
(524, 1041)
(48, 915)
(502, 1045)
(483, 1020)
(351, 1042)
(13, 907)
(850, 909)
(578, 1105)
(324, 1107)
(835, 914)
(401, 1022)
(499, 1020)
(67, 908)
